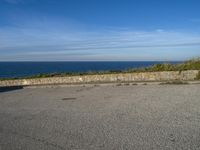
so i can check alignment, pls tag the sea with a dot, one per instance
(26, 69)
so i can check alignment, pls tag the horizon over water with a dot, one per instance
(11, 69)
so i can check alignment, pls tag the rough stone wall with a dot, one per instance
(121, 77)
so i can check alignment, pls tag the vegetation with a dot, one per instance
(193, 64)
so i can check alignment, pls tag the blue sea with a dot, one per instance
(25, 69)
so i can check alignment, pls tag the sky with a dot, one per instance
(99, 30)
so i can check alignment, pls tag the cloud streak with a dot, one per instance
(66, 43)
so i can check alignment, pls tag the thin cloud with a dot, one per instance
(46, 41)
(86, 40)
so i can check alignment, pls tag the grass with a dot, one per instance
(193, 64)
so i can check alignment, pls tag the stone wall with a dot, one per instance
(121, 77)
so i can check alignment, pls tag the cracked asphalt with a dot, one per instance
(142, 117)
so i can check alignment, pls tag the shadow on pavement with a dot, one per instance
(8, 89)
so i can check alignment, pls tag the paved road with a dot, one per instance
(146, 117)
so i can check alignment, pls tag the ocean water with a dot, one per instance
(24, 69)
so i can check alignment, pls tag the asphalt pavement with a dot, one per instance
(95, 117)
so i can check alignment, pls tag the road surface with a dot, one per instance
(111, 117)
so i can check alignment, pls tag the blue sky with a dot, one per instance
(98, 30)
